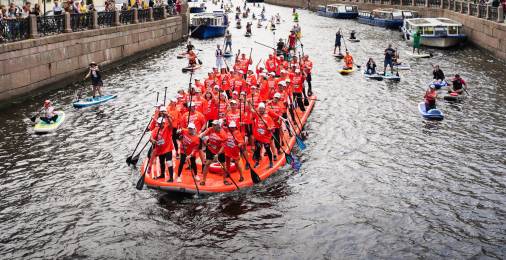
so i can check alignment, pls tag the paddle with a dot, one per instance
(298, 138)
(306, 101)
(133, 160)
(254, 176)
(228, 174)
(35, 116)
(289, 158)
(142, 179)
(346, 49)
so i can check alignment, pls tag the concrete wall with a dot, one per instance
(488, 35)
(31, 64)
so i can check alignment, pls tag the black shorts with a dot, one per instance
(249, 129)
(210, 156)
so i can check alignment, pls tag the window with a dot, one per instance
(453, 30)
(428, 30)
(397, 15)
(341, 9)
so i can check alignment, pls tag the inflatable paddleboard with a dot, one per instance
(259, 25)
(439, 84)
(454, 97)
(87, 102)
(373, 76)
(338, 56)
(391, 77)
(42, 127)
(433, 114)
(189, 68)
(181, 55)
(247, 35)
(228, 54)
(416, 55)
(346, 71)
(353, 40)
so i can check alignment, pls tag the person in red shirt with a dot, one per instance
(161, 139)
(222, 105)
(292, 41)
(233, 115)
(251, 79)
(308, 67)
(262, 131)
(430, 98)
(234, 144)
(271, 64)
(275, 109)
(210, 81)
(210, 106)
(189, 147)
(175, 116)
(214, 137)
(199, 85)
(239, 82)
(197, 100)
(195, 117)
(245, 124)
(297, 83)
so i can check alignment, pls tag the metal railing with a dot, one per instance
(126, 17)
(419, 2)
(482, 11)
(52, 24)
(434, 3)
(143, 15)
(396, 2)
(464, 8)
(158, 13)
(473, 9)
(406, 2)
(14, 29)
(492, 13)
(79, 22)
(105, 19)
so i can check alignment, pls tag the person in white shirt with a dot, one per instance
(219, 57)
(57, 10)
(48, 113)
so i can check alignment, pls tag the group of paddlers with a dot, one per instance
(219, 116)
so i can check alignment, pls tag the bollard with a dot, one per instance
(500, 14)
(413, 3)
(151, 16)
(32, 23)
(94, 19)
(136, 16)
(426, 3)
(66, 19)
(468, 8)
(487, 12)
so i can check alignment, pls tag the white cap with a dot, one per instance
(243, 93)
(297, 70)
(216, 122)
(277, 95)
(159, 104)
(191, 104)
(173, 100)
(432, 86)
(159, 120)
(235, 92)
(261, 105)
(232, 124)
(191, 125)
(198, 90)
(283, 71)
(287, 80)
(233, 101)
(216, 86)
(163, 109)
(282, 83)
(272, 74)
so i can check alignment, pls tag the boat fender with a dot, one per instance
(216, 168)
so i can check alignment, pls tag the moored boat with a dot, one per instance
(208, 25)
(339, 11)
(384, 17)
(434, 32)
(214, 182)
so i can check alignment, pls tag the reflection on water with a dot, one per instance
(377, 180)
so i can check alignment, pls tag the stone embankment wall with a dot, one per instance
(32, 64)
(489, 35)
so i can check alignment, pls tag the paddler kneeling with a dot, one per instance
(430, 98)
(214, 137)
(348, 61)
(189, 147)
(161, 138)
(458, 85)
(192, 59)
(234, 146)
(48, 112)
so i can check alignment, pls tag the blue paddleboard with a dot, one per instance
(87, 102)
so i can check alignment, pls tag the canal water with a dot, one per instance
(377, 180)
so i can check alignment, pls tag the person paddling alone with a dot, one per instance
(389, 57)
(438, 74)
(416, 41)
(458, 85)
(430, 98)
(348, 61)
(337, 44)
(96, 79)
(48, 112)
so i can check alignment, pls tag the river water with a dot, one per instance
(377, 180)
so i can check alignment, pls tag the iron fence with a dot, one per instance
(171, 10)
(105, 19)
(451, 4)
(126, 17)
(458, 7)
(158, 13)
(492, 13)
(464, 7)
(419, 2)
(473, 9)
(143, 15)
(406, 2)
(51, 24)
(79, 22)
(482, 11)
(434, 3)
(396, 2)
(14, 29)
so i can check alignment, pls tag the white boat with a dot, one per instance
(435, 32)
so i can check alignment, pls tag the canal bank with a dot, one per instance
(484, 27)
(42, 63)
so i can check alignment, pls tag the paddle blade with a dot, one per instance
(140, 183)
(129, 160)
(296, 164)
(289, 158)
(306, 102)
(254, 176)
(33, 118)
(300, 143)
(135, 159)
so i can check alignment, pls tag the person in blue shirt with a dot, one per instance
(338, 41)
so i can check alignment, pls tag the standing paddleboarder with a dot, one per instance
(96, 78)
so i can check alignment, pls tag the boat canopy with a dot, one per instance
(433, 26)
(387, 13)
(340, 8)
